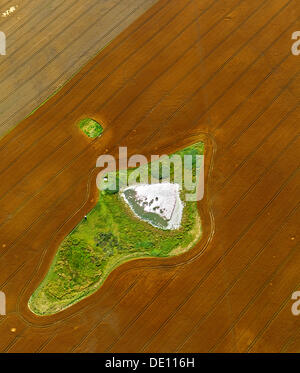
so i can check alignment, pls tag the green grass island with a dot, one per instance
(128, 222)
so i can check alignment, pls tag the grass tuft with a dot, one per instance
(90, 127)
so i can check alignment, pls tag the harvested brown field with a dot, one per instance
(186, 70)
(48, 42)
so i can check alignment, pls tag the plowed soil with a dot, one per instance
(218, 71)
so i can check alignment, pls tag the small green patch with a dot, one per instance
(90, 127)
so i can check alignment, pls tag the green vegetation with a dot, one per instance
(110, 235)
(90, 127)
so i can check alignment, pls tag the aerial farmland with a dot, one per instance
(149, 195)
